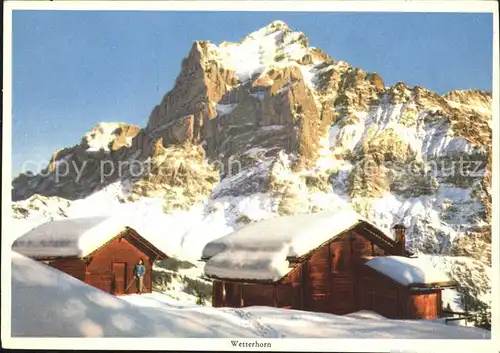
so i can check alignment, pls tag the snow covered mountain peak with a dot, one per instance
(273, 27)
(274, 45)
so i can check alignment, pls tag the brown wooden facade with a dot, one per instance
(334, 279)
(110, 267)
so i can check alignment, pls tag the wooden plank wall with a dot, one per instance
(233, 294)
(217, 294)
(286, 296)
(335, 280)
(439, 303)
(343, 276)
(317, 286)
(73, 267)
(294, 281)
(327, 278)
(363, 247)
(100, 273)
(380, 294)
(258, 294)
(330, 277)
(424, 305)
(247, 294)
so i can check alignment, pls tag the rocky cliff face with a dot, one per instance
(272, 115)
(75, 172)
(237, 96)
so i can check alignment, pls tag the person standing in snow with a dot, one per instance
(139, 271)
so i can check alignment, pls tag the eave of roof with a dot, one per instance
(128, 231)
(53, 258)
(435, 285)
(239, 280)
(160, 254)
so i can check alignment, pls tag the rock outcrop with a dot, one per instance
(272, 92)
(78, 171)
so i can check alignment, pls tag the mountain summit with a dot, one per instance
(273, 116)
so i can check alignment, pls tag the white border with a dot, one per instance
(495, 192)
(485, 6)
(346, 345)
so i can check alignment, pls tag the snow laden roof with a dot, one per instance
(259, 251)
(68, 237)
(409, 271)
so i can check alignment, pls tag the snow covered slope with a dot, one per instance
(49, 303)
(182, 233)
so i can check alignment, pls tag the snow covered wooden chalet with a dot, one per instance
(325, 262)
(99, 251)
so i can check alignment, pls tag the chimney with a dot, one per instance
(400, 232)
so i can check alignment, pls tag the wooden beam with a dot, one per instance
(439, 304)
(303, 280)
(232, 280)
(213, 294)
(55, 258)
(223, 293)
(329, 269)
(242, 301)
(432, 286)
(378, 237)
(351, 241)
(86, 272)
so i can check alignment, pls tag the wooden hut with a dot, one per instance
(325, 262)
(98, 251)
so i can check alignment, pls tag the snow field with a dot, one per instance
(49, 303)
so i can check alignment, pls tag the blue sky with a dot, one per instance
(73, 69)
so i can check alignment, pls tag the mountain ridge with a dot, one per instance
(273, 119)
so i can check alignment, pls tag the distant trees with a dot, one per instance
(480, 313)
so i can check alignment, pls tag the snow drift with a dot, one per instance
(49, 303)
